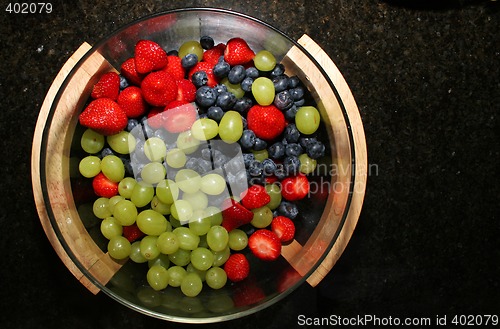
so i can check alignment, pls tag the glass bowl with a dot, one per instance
(327, 216)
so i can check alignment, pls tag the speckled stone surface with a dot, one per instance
(426, 79)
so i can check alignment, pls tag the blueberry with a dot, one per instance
(293, 82)
(199, 78)
(236, 74)
(255, 168)
(219, 159)
(247, 139)
(300, 102)
(283, 100)
(131, 124)
(260, 144)
(280, 83)
(276, 151)
(288, 209)
(215, 113)
(221, 69)
(226, 100)
(123, 82)
(316, 150)
(219, 88)
(106, 151)
(205, 96)
(279, 172)
(306, 142)
(248, 158)
(252, 72)
(297, 93)
(127, 163)
(291, 165)
(278, 70)
(206, 154)
(293, 149)
(245, 122)
(189, 61)
(207, 42)
(291, 133)
(246, 84)
(269, 166)
(291, 112)
(243, 104)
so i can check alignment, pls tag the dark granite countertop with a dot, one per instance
(426, 79)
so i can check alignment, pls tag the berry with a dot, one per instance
(247, 139)
(280, 83)
(226, 100)
(221, 69)
(252, 72)
(103, 186)
(180, 118)
(123, 82)
(236, 74)
(284, 228)
(246, 84)
(155, 118)
(266, 121)
(297, 93)
(127, 69)
(159, 88)
(283, 100)
(108, 86)
(293, 82)
(215, 113)
(276, 151)
(293, 149)
(104, 116)
(291, 165)
(132, 102)
(208, 69)
(213, 54)
(199, 79)
(295, 188)
(265, 245)
(207, 42)
(132, 233)
(291, 133)
(205, 96)
(149, 56)
(174, 68)
(243, 104)
(260, 144)
(189, 61)
(234, 214)
(237, 267)
(238, 52)
(269, 166)
(288, 209)
(255, 197)
(278, 70)
(186, 91)
(316, 150)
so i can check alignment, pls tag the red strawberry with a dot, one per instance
(265, 245)
(104, 187)
(159, 88)
(127, 69)
(234, 214)
(186, 91)
(132, 102)
(180, 118)
(208, 68)
(104, 116)
(175, 103)
(284, 228)
(108, 86)
(295, 188)
(175, 68)
(238, 52)
(267, 122)
(155, 117)
(132, 233)
(149, 56)
(255, 197)
(237, 267)
(213, 54)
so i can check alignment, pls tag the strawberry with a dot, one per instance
(155, 117)
(149, 56)
(234, 214)
(127, 69)
(283, 227)
(265, 245)
(104, 187)
(267, 122)
(180, 118)
(238, 52)
(208, 68)
(213, 54)
(159, 88)
(131, 101)
(237, 267)
(255, 197)
(186, 91)
(108, 86)
(132, 233)
(295, 188)
(175, 68)
(104, 116)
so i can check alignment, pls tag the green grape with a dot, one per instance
(191, 285)
(187, 239)
(264, 60)
(188, 180)
(142, 194)
(216, 277)
(90, 166)
(213, 184)
(91, 141)
(157, 277)
(159, 206)
(167, 243)
(181, 210)
(307, 164)
(181, 257)
(263, 91)
(204, 129)
(199, 223)
(175, 275)
(167, 191)
(231, 126)
(112, 167)
(202, 258)
(113, 201)
(176, 158)
(261, 155)
(126, 186)
(125, 212)
(161, 260)
(274, 192)
(307, 119)
(238, 239)
(191, 269)
(220, 257)
(149, 250)
(122, 142)
(191, 47)
(110, 228)
(198, 200)
(119, 247)
(214, 214)
(217, 238)
(233, 88)
(151, 222)
(155, 149)
(101, 208)
(187, 143)
(135, 253)
(262, 217)
(153, 173)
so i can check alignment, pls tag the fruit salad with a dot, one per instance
(197, 158)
